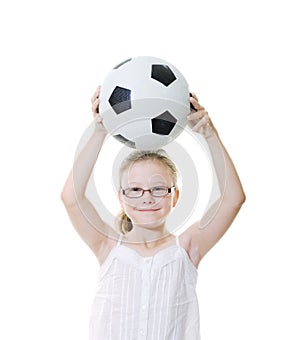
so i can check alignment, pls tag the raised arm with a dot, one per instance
(84, 217)
(204, 234)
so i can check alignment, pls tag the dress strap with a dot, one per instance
(120, 239)
(177, 241)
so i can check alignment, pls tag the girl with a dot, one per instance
(147, 276)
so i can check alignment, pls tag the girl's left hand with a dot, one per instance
(95, 109)
(199, 120)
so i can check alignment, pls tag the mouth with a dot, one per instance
(147, 210)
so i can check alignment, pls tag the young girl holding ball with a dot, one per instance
(147, 276)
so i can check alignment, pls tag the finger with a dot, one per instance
(202, 123)
(196, 104)
(197, 115)
(194, 95)
(98, 119)
(192, 107)
(95, 106)
(96, 94)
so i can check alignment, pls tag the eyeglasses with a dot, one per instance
(159, 191)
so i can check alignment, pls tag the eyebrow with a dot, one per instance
(141, 185)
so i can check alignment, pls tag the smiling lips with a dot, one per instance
(147, 210)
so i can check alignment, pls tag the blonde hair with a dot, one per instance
(124, 222)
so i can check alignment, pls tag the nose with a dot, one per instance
(147, 197)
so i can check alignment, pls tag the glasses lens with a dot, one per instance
(133, 192)
(138, 192)
(159, 191)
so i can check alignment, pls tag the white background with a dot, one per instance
(242, 59)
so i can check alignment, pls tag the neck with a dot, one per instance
(146, 235)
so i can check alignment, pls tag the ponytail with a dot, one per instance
(124, 223)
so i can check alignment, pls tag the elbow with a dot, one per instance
(66, 199)
(234, 198)
(68, 196)
(239, 200)
(243, 198)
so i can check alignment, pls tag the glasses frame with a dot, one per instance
(169, 190)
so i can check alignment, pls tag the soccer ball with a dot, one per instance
(144, 102)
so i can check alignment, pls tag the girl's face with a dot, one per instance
(147, 210)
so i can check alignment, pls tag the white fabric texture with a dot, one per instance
(146, 298)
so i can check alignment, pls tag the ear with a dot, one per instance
(175, 197)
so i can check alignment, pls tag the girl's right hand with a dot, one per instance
(95, 109)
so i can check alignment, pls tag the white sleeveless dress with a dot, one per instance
(146, 298)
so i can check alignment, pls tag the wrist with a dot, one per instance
(210, 130)
(99, 127)
(99, 135)
(207, 131)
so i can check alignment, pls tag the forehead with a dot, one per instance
(147, 172)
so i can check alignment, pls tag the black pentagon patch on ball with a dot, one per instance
(163, 74)
(163, 124)
(126, 141)
(120, 99)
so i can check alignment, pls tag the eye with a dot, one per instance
(159, 191)
(133, 192)
(135, 189)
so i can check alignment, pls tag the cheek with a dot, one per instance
(129, 207)
(168, 203)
